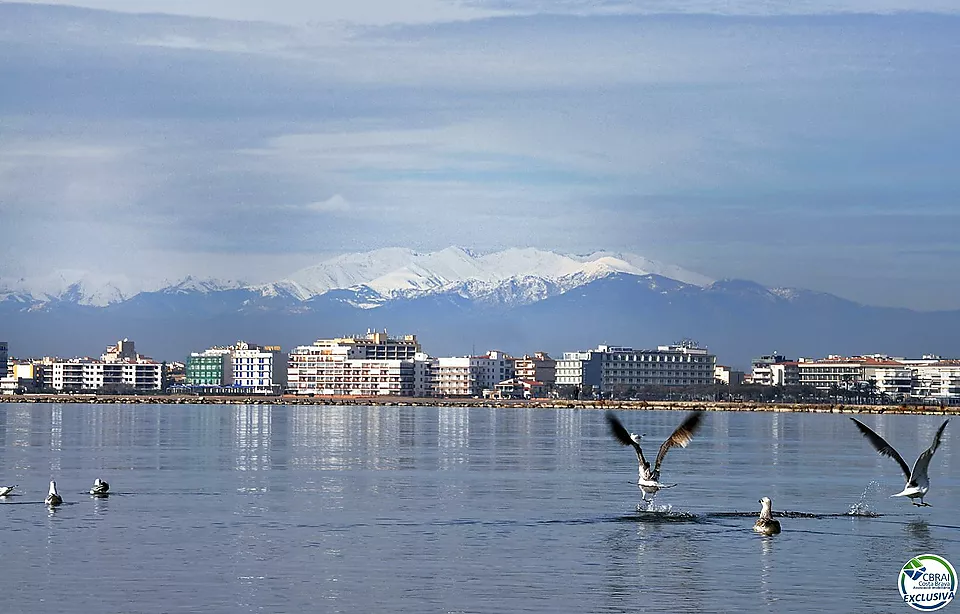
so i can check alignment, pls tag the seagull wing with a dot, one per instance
(884, 448)
(622, 435)
(919, 473)
(681, 436)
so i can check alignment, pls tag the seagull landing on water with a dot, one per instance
(100, 488)
(649, 479)
(917, 481)
(6, 490)
(766, 523)
(53, 497)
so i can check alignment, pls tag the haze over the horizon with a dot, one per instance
(810, 145)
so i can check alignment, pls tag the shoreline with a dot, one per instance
(478, 403)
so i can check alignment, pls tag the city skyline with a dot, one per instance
(813, 149)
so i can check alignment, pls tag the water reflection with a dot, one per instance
(253, 437)
(268, 508)
(453, 436)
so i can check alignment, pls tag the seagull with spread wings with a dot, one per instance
(649, 478)
(917, 481)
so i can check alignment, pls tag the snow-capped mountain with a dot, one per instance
(533, 274)
(77, 287)
(517, 300)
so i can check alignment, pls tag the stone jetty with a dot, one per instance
(321, 400)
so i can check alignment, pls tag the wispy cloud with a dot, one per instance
(707, 140)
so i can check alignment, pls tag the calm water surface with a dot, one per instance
(367, 509)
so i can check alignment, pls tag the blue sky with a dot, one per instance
(814, 149)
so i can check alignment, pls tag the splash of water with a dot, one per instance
(651, 506)
(862, 506)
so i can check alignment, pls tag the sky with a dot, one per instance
(146, 140)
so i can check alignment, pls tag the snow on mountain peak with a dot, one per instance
(194, 284)
(395, 272)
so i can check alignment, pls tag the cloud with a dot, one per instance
(334, 204)
(681, 137)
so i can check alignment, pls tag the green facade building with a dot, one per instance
(207, 370)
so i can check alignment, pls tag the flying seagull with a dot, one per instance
(649, 479)
(917, 481)
(100, 488)
(766, 523)
(53, 497)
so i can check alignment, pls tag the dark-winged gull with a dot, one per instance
(100, 488)
(766, 523)
(917, 481)
(6, 490)
(649, 479)
(53, 497)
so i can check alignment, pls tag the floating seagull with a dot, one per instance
(6, 490)
(917, 481)
(100, 488)
(649, 480)
(53, 497)
(766, 523)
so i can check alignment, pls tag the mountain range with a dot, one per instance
(460, 302)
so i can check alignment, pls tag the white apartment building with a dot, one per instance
(938, 382)
(470, 376)
(617, 367)
(258, 368)
(86, 374)
(455, 376)
(834, 371)
(579, 369)
(371, 365)
(892, 378)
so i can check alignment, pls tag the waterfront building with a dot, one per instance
(612, 368)
(91, 375)
(762, 369)
(4, 359)
(23, 376)
(471, 376)
(455, 376)
(258, 368)
(374, 364)
(520, 388)
(728, 377)
(237, 369)
(890, 378)
(580, 370)
(938, 382)
(831, 372)
(123, 350)
(539, 367)
(211, 367)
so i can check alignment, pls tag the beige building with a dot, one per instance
(374, 364)
(539, 367)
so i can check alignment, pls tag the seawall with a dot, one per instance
(488, 403)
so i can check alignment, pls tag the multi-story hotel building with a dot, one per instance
(471, 376)
(539, 368)
(612, 367)
(211, 367)
(242, 367)
(88, 374)
(371, 365)
(258, 368)
(938, 382)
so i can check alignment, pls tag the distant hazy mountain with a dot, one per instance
(458, 302)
